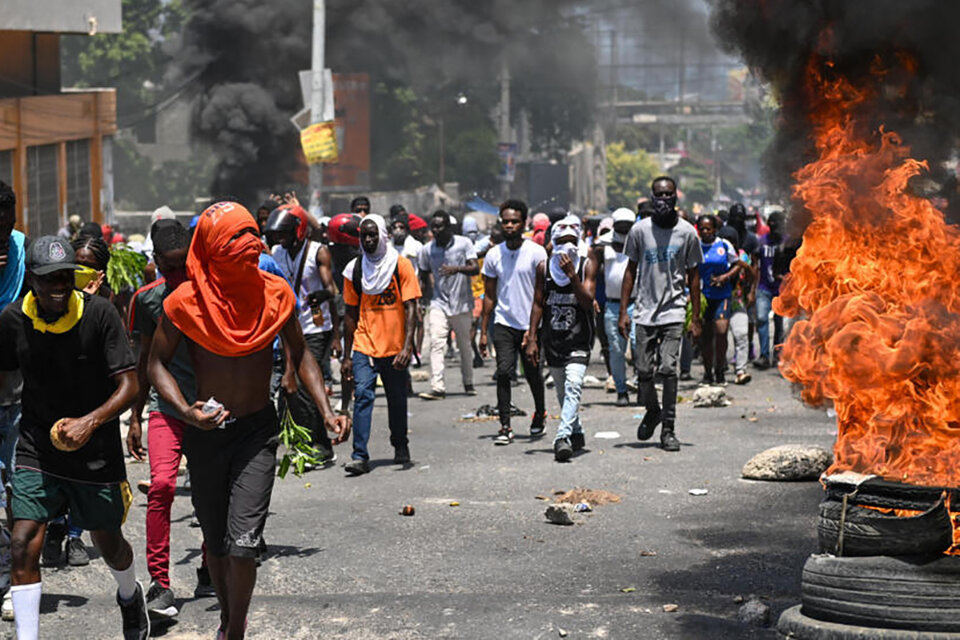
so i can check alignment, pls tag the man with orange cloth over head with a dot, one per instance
(230, 311)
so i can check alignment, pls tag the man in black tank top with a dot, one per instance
(563, 300)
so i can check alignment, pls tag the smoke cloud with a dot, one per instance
(778, 37)
(244, 55)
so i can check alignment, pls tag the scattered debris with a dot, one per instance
(424, 467)
(628, 589)
(597, 497)
(488, 412)
(592, 382)
(563, 633)
(421, 375)
(582, 507)
(560, 514)
(648, 554)
(737, 599)
(607, 435)
(665, 492)
(545, 498)
(407, 510)
(670, 608)
(697, 492)
(751, 417)
(788, 462)
(454, 504)
(638, 416)
(711, 397)
(307, 485)
(754, 612)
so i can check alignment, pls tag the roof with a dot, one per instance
(62, 16)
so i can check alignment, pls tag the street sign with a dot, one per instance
(319, 142)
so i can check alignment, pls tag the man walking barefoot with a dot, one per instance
(229, 312)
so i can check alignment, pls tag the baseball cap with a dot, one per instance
(624, 215)
(48, 254)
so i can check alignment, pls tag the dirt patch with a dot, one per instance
(594, 497)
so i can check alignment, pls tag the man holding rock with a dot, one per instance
(78, 376)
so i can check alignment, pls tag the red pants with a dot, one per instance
(165, 444)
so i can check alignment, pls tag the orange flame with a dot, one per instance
(876, 281)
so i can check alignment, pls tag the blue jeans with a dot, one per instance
(365, 370)
(764, 305)
(618, 344)
(568, 381)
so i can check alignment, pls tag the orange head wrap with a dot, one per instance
(229, 306)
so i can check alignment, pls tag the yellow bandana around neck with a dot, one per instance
(64, 323)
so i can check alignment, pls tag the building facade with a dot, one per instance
(54, 144)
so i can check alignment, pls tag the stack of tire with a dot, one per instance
(892, 573)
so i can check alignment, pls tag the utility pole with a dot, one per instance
(504, 114)
(614, 81)
(504, 100)
(317, 94)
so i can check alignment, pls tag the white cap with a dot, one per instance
(624, 215)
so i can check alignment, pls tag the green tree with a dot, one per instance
(694, 180)
(132, 61)
(629, 174)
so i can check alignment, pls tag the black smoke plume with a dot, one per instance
(918, 97)
(243, 57)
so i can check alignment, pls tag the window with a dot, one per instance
(43, 215)
(78, 179)
(6, 167)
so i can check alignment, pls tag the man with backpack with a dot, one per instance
(380, 291)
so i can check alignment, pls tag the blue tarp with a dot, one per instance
(476, 203)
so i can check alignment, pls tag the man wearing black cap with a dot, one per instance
(78, 376)
(361, 205)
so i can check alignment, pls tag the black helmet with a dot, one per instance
(286, 219)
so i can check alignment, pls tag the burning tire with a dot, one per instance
(917, 594)
(868, 532)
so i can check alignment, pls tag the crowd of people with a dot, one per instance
(244, 318)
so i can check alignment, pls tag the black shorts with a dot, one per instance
(231, 479)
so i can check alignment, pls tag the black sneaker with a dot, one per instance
(668, 439)
(470, 391)
(576, 439)
(685, 376)
(538, 424)
(204, 588)
(77, 555)
(477, 361)
(160, 602)
(623, 400)
(707, 379)
(136, 622)
(52, 554)
(720, 378)
(762, 363)
(401, 455)
(648, 425)
(357, 467)
(504, 436)
(262, 552)
(562, 450)
(433, 395)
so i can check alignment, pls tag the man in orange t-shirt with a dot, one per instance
(380, 290)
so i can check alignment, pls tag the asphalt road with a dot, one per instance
(345, 564)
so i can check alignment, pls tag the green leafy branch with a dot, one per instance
(125, 269)
(299, 452)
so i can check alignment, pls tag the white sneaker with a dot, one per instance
(6, 610)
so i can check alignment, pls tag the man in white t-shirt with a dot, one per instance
(307, 266)
(510, 272)
(448, 261)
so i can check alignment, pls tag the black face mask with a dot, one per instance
(665, 211)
